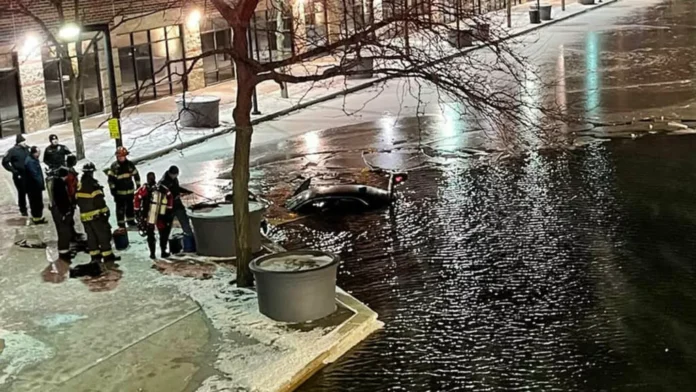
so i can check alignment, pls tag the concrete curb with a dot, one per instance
(359, 87)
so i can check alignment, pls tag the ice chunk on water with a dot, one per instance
(296, 262)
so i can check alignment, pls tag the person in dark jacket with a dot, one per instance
(94, 215)
(14, 163)
(123, 181)
(62, 210)
(55, 154)
(35, 185)
(153, 205)
(171, 181)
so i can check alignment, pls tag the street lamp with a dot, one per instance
(69, 32)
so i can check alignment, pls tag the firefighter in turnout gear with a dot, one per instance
(153, 206)
(95, 216)
(123, 180)
(62, 209)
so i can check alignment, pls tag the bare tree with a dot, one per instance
(421, 40)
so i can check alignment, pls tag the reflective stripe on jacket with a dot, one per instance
(123, 178)
(90, 199)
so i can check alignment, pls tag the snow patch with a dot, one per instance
(256, 353)
(20, 351)
(295, 263)
(56, 320)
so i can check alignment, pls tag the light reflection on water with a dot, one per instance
(530, 276)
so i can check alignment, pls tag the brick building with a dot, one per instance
(148, 37)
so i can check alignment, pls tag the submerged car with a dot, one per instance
(342, 198)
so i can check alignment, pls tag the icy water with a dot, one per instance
(565, 272)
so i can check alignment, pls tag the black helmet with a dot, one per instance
(71, 160)
(89, 167)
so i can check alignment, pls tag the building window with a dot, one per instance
(83, 58)
(272, 33)
(216, 34)
(354, 17)
(10, 103)
(316, 18)
(149, 66)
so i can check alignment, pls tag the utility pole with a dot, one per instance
(509, 13)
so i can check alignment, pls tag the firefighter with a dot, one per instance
(13, 162)
(55, 154)
(94, 215)
(35, 186)
(122, 176)
(171, 181)
(153, 205)
(62, 210)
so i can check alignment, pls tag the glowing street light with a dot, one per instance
(194, 19)
(69, 32)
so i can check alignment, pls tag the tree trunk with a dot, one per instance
(75, 116)
(240, 171)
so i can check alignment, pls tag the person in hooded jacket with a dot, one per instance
(35, 185)
(55, 154)
(13, 162)
(171, 181)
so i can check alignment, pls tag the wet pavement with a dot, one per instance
(557, 271)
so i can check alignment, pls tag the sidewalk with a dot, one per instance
(149, 130)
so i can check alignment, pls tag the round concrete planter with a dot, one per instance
(545, 12)
(213, 228)
(198, 112)
(296, 286)
(534, 16)
(365, 66)
(586, 2)
(460, 38)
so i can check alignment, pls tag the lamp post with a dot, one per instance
(71, 32)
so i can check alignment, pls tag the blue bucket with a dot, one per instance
(189, 244)
(121, 239)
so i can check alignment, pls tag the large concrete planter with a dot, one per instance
(586, 2)
(482, 31)
(213, 228)
(362, 65)
(460, 38)
(198, 112)
(545, 12)
(296, 286)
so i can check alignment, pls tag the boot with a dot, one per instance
(165, 254)
(152, 256)
(67, 257)
(96, 259)
(39, 221)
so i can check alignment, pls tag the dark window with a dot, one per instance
(316, 18)
(84, 59)
(216, 35)
(272, 33)
(149, 68)
(10, 104)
